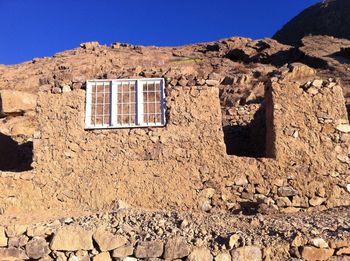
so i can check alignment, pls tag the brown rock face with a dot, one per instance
(200, 254)
(176, 248)
(104, 256)
(149, 249)
(37, 248)
(107, 241)
(3, 238)
(325, 18)
(314, 254)
(12, 253)
(16, 102)
(123, 251)
(71, 239)
(248, 253)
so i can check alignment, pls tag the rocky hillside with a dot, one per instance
(329, 18)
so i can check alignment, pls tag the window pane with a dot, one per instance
(100, 103)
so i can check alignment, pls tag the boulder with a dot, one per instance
(16, 230)
(37, 248)
(104, 256)
(344, 251)
(16, 102)
(319, 242)
(247, 253)
(200, 254)
(89, 45)
(310, 253)
(316, 201)
(176, 248)
(123, 251)
(3, 238)
(107, 241)
(343, 128)
(286, 192)
(223, 257)
(147, 249)
(12, 253)
(72, 238)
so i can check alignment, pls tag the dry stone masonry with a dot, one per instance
(142, 235)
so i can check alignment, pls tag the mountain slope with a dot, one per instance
(327, 18)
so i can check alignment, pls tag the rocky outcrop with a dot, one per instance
(325, 18)
(16, 102)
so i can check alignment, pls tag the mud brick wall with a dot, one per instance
(184, 165)
(308, 137)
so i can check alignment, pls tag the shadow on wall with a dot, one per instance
(348, 109)
(15, 157)
(247, 140)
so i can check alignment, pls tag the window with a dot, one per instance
(124, 103)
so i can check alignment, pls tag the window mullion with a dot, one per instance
(139, 102)
(114, 105)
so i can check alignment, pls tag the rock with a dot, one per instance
(299, 240)
(56, 90)
(123, 251)
(18, 241)
(200, 254)
(343, 251)
(312, 90)
(348, 187)
(72, 238)
(146, 249)
(66, 88)
(319, 242)
(104, 256)
(286, 192)
(129, 259)
(313, 254)
(317, 83)
(241, 181)
(316, 201)
(247, 253)
(3, 238)
(107, 241)
(232, 241)
(89, 45)
(73, 257)
(82, 255)
(343, 128)
(59, 256)
(12, 253)
(40, 231)
(47, 258)
(298, 71)
(15, 230)
(16, 102)
(176, 248)
(37, 248)
(300, 202)
(223, 257)
(212, 82)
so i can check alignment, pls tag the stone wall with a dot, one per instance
(185, 166)
(132, 235)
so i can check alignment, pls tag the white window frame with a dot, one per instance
(113, 102)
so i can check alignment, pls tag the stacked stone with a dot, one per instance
(132, 235)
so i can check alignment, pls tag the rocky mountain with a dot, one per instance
(329, 18)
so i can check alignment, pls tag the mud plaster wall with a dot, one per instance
(184, 165)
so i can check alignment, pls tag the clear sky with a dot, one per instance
(36, 28)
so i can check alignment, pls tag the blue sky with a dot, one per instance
(36, 28)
